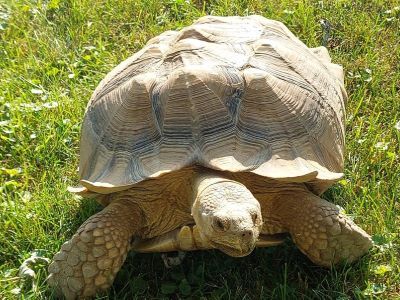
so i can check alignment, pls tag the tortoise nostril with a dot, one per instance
(247, 233)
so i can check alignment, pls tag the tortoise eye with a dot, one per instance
(219, 224)
(254, 217)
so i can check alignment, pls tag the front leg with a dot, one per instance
(89, 261)
(320, 231)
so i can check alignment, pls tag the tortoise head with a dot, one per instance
(227, 215)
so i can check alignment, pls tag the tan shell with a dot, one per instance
(228, 93)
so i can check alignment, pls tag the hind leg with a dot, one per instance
(89, 261)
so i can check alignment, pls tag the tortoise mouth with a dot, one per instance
(232, 251)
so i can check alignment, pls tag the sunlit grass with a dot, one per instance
(53, 54)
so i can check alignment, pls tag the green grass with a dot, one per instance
(52, 55)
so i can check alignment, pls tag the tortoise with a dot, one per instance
(221, 135)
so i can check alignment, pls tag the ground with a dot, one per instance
(53, 54)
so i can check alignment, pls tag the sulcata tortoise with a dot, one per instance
(219, 136)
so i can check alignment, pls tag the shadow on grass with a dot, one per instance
(280, 272)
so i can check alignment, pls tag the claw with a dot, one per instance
(170, 261)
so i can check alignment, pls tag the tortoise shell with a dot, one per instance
(238, 94)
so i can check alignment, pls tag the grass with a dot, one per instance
(52, 55)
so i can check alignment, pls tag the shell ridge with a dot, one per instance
(326, 101)
(110, 79)
(296, 116)
(95, 150)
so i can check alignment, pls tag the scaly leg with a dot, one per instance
(318, 228)
(89, 261)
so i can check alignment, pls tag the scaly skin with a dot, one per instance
(88, 262)
(318, 228)
(226, 214)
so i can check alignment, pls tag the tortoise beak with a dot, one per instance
(239, 250)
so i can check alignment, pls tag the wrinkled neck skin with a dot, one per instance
(226, 213)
